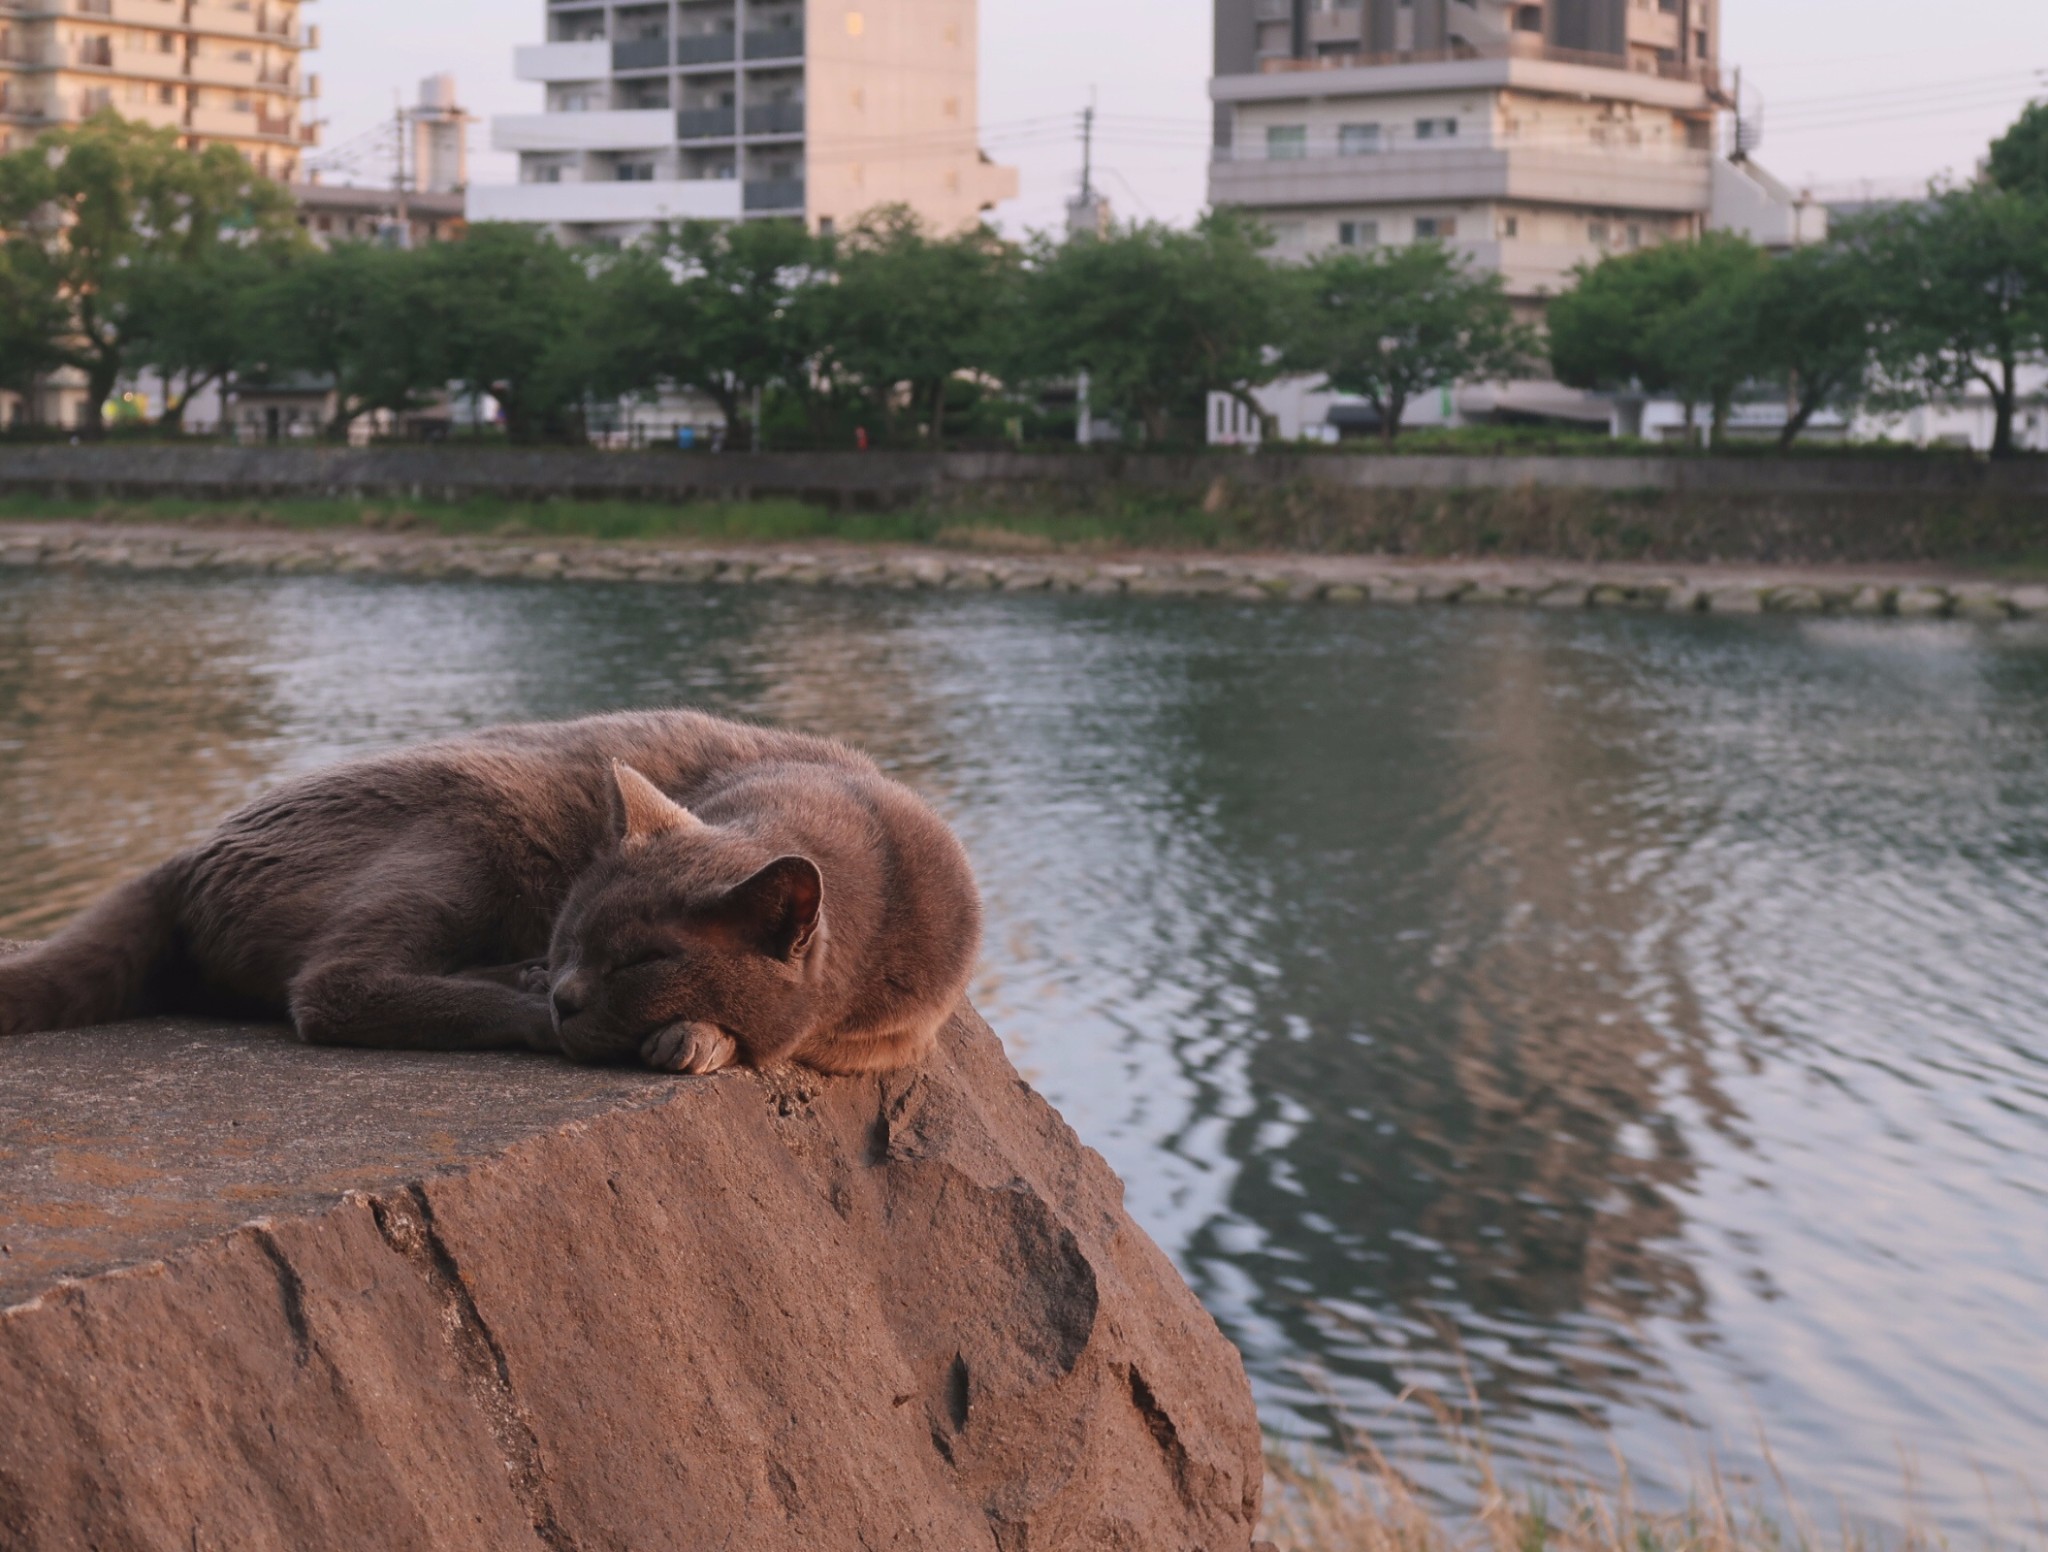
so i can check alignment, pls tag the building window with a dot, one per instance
(1435, 228)
(1358, 139)
(1634, 236)
(636, 172)
(1597, 233)
(1528, 18)
(1358, 234)
(1436, 129)
(1510, 226)
(1286, 142)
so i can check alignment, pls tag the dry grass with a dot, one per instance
(1363, 1502)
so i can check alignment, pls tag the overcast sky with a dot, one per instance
(1855, 92)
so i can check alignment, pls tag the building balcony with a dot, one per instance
(548, 62)
(776, 118)
(232, 124)
(225, 20)
(606, 204)
(776, 43)
(1522, 61)
(1672, 181)
(777, 195)
(707, 123)
(630, 129)
(641, 54)
(707, 48)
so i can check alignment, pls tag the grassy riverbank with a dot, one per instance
(1366, 1504)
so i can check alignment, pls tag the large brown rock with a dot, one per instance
(501, 1303)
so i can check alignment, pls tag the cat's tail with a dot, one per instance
(99, 968)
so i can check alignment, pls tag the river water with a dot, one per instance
(1633, 1026)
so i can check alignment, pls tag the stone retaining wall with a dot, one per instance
(455, 472)
(1341, 580)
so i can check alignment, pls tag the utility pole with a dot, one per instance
(398, 177)
(1087, 213)
(1088, 152)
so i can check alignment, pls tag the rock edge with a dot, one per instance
(770, 1311)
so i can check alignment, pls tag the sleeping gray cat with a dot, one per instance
(664, 885)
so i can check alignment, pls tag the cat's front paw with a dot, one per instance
(696, 1049)
(534, 978)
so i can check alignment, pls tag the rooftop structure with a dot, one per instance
(731, 109)
(220, 72)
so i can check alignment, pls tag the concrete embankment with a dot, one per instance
(263, 1296)
(1692, 510)
(1338, 580)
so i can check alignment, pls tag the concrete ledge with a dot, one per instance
(257, 1295)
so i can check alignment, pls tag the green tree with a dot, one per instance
(1159, 318)
(33, 320)
(721, 306)
(1679, 318)
(519, 310)
(1398, 322)
(363, 319)
(1965, 300)
(87, 210)
(1812, 325)
(2019, 157)
(199, 322)
(910, 313)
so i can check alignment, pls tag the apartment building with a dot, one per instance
(1533, 135)
(220, 72)
(664, 110)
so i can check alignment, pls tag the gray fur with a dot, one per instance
(759, 896)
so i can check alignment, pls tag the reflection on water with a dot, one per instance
(1634, 1023)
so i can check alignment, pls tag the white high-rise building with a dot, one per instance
(733, 109)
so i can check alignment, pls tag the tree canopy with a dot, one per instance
(2019, 157)
(1400, 321)
(95, 211)
(1158, 317)
(1965, 303)
(1678, 318)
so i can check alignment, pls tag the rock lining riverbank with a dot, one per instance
(1337, 580)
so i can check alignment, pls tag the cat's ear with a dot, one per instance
(780, 908)
(643, 810)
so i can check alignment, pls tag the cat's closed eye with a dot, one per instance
(653, 956)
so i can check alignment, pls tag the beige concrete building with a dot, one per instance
(1533, 135)
(220, 72)
(1530, 136)
(663, 110)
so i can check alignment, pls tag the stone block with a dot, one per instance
(315, 1299)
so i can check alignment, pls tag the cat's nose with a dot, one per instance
(570, 996)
